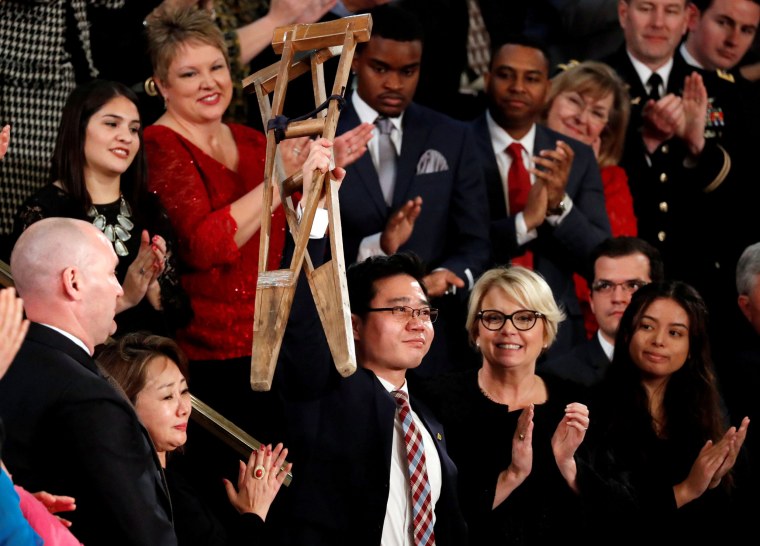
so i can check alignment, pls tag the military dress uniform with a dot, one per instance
(670, 188)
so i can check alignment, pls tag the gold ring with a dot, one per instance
(142, 271)
(521, 436)
(259, 471)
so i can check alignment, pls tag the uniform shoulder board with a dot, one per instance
(724, 75)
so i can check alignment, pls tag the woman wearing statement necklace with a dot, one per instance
(98, 175)
(512, 433)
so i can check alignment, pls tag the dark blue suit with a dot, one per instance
(340, 434)
(71, 433)
(560, 251)
(452, 229)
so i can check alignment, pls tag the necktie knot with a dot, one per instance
(402, 399)
(515, 151)
(654, 82)
(384, 124)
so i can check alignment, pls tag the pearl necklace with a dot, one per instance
(118, 232)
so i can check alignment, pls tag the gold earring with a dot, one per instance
(150, 87)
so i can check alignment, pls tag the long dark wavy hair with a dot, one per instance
(691, 401)
(69, 159)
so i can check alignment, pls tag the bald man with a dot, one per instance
(67, 429)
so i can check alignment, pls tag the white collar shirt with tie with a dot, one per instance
(367, 114)
(644, 73)
(397, 527)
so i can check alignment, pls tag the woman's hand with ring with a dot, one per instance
(259, 480)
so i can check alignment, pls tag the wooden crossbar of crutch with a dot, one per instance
(303, 48)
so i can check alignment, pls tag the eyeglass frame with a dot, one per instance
(570, 96)
(629, 286)
(536, 314)
(415, 312)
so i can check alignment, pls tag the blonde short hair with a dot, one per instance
(597, 80)
(526, 288)
(170, 29)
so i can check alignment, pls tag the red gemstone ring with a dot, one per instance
(259, 471)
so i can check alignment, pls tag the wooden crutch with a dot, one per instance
(303, 48)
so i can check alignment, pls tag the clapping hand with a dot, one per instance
(567, 438)
(259, 481)
(400, 226)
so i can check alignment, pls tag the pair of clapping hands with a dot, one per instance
(681, 117)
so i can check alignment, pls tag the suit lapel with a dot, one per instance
(414, 139)
(494, 184)
(362, 173)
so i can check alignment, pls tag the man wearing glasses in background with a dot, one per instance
(619, 266)
(356, 481)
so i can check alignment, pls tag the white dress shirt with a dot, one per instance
(398, 528)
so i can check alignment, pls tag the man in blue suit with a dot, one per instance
(353, 486)
(436, 203)
(564, 216)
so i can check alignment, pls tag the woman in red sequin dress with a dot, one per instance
(209, 176)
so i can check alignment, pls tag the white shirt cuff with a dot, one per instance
(370, 246)
(319, 225)
(521, 230)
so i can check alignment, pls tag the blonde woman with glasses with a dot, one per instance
(512, 433)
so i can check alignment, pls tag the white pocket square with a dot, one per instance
(432, 161)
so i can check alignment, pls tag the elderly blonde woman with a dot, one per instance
(513, 434)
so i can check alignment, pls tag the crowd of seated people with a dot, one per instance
(549, 322)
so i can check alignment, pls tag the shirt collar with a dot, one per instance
(607, 347)
(644, 71)
(367, 114)
(688, 56)
(500, 138)
(390, 387)
(70, 336)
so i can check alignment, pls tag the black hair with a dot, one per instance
(394, 22)
(525, 41)
(69, 158)
(362, 276)
(618, 247)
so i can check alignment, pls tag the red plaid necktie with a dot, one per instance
(422, 504)
(518, 187)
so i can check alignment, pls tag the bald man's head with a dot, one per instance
(46, 248)
(65, 271)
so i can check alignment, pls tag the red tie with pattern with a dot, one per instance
(518, 187)
(422, 499)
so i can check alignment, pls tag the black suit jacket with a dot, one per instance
(560, 251)
(69, 432)
(340, 439)
(586, 364)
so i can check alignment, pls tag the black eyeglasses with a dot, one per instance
(607, 287)
(523, 320)
(405, 313)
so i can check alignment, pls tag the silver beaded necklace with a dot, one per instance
(119, 232)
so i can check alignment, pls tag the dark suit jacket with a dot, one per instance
(452, 229)
(586, 364)
(560, 251)
(340, 438)
(69, 432)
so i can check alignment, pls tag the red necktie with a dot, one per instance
(518, 187)
(422, 504)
